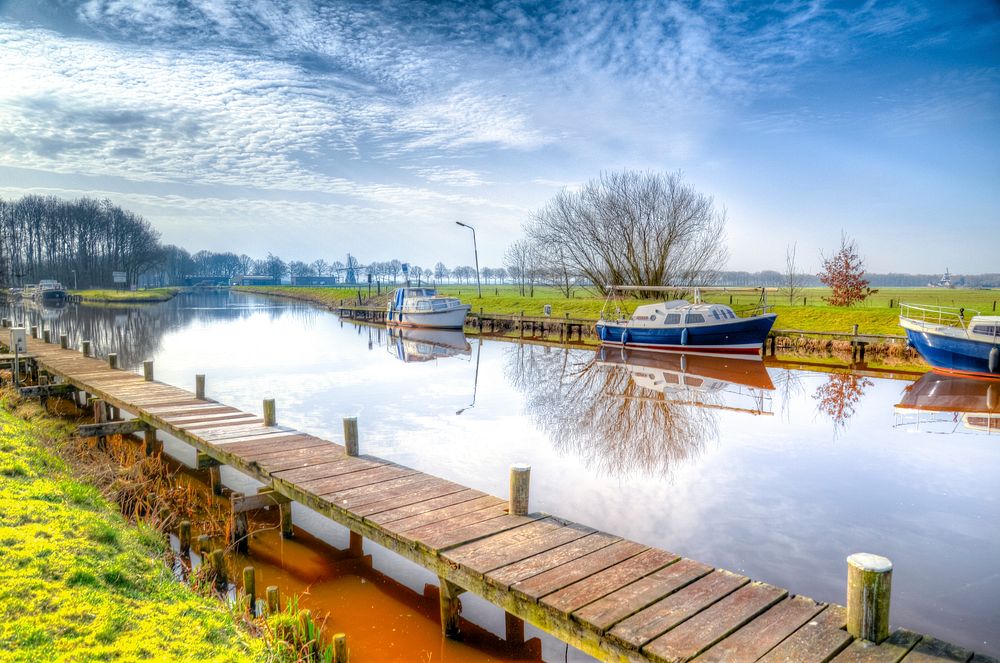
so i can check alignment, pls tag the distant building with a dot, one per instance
(255, 280)
(944, 281)
(314, 280)
(206, 280)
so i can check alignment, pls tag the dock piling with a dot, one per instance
(218, 562)
(147, 370)
(250, 589)
(270, 417)
(340, 652)
(869, 584)
(520, 478)
(240, 533)
(273, 599)
(63, 341)
(184, 536)
(351, 435)
(113, 359)
(46, 336)
(199, 386)
(451, 608)
(85, 348)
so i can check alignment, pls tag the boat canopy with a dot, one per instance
(678, 311)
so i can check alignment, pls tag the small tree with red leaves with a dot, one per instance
(844, 274)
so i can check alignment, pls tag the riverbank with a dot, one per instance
(149, 296)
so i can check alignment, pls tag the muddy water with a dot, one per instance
(778, 474)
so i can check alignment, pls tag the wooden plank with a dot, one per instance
(704, 629)
(983, 658)
(665, 614)
(357, 497)
(242, 420)
(260, 442)
(343, 482)
(616, 606)
(241, 503)
(413, 502)
(932, 650)
(318, 453)
(443, 540)
(453, 514)
(601, 584)
(892, 650)
(333, 468)
(515, 545)
(550, 559)
(763, 633)
(566, 574)
(820, 639)
(218, 434)
(112, 428)
(264, 451)
(208, 414)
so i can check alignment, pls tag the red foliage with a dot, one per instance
(844, 274)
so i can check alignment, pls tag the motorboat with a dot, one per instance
(939, 402)
(955, 340)
(418, 345)
(681, 326)
(423, 307)
(49, 292)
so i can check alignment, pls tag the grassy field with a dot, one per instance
(77, 583)
(127, 296)
(878, 315)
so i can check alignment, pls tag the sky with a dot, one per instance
(312, 129)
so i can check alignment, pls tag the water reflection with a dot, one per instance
(948, 403)
(839, 396)
(427, 344)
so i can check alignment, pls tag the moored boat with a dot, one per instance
(949, 342)
(49, 292)
(423, 307)
(417, 345)
(681, 326)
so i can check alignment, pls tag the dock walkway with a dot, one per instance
(612, 598)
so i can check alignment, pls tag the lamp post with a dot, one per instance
(475, 250)
(74, 279)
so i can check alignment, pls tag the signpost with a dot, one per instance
(119, 278)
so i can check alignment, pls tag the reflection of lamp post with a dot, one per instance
(475, 380)
(475, 251)
(74, 279)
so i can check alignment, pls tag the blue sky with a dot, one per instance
(311, 129)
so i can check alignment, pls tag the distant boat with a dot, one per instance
(680, 326)
(49, 292)
(416, 345)
(975, 404)
(948, 342)
(423, 307)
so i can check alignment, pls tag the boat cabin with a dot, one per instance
(680, 313)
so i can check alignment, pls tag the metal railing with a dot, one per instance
(941, 315)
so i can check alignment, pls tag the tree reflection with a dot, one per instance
(839, 395)
(599, 413)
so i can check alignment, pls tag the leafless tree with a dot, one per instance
(634, 228)
(792, 281)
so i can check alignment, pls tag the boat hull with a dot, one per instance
(742, 336)
(954, 355)
(451, 319)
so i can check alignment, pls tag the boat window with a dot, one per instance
(715, 312)
(672, 319)
(692, 381)
(695, 317)
(423, 306)
(986, 330)
(730, 314)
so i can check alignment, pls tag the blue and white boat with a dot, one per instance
(949, 342)
(423, 307)
(681, 326)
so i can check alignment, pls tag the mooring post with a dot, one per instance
(340, 653)
(63, 341)
(513, 629)
(113, 359)
(149, 440)
(285, 514)
(250, 588)
(240, 533)
(85, 347)
(46, 336)
(356, 545)
(184, 536)
(219, 566)
(451, 607)
(34, 331)
(204, 542)
(100, 417)
(215, 479)
(270, 417)
(273, 599)
(869, 584)
(520, 478)
(147, 370)
(351, 435)
(199, 387)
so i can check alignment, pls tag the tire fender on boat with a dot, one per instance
(684, 336)
(995, 360)
(624, 336)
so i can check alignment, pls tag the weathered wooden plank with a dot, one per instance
(326, 470)
(448, 539)
(582, 567)
(601, 584)
(892, 650)
(208, 414)
(455, 515)
(983, 658)
(516, 545)
(550, 559)
(219, 434)
(338, 484)
(932, 650)
(819, 639)
(763, 633)
(284, 447)
(665, 614)
(262, 443)
(241, 420)
(112, 428)
(315, 454)
(703, 630)
(242, 503)
(618, 605)
(413, 502)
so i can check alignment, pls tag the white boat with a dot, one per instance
(416, 345)
(423, 307)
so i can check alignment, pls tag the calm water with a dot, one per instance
(773, 473)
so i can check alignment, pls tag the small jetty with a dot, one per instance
(612, 598)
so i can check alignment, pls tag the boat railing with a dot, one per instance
(942, 315)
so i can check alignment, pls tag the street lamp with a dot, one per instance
(74, 279)
(475, 250)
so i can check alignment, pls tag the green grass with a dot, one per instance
(77, 583)
(874, 316)
(150, 295)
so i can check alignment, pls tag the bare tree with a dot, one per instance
(634, 228)
(792, 280)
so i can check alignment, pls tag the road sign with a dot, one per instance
(119, 277)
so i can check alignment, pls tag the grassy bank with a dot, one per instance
(127, 296)
(878, 315)
(76, 581)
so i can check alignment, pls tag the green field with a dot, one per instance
(127, 296)
(77, 583)
(874, 316)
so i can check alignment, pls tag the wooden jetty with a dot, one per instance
(612, 598)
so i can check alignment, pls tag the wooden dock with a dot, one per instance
(612, 598)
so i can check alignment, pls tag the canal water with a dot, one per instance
(775, 473)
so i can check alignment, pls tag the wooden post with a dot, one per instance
(100, 417)
(356, 547)
(219, 566)
(85, 347)
(250, 588)
(340, 653)
(285, 513)
(34, 331)
(869, 584)
(240, 533)
(63, 341)
(113, 359)
(46, 335)
(184, 536)
(147, 370)
(855, 330)
(514, 629)
(199, 387)
(351, 436)
(520, 477)
(273, 599)
(270, 417)
(204, 541)
(451, 607)
(149, 438)
(215, 479)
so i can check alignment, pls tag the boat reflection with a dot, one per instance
(942, 403)
(416, 344)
